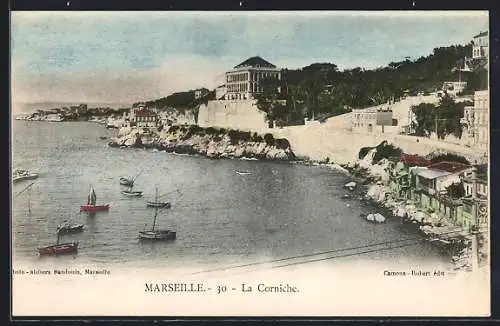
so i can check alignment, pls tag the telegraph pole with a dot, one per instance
(475, 226)
(436, 126)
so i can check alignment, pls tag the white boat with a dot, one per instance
(132, 193)
(243, 172)
(20, 175)
(155, 234)
(69, 227)
(54, 118)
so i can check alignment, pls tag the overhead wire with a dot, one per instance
(419, 239)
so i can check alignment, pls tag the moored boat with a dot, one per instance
(68, 227)
(158, 204)
(94, 208)
(156, 234)
(91, 203)
(20, 175)
(126, 182)
(243, 172)
(59, 249)
(129, 182)
(132, 193)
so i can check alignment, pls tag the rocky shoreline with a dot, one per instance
(373, 179)
(210, 142)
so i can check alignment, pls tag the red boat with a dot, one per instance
(59, 249)
(94, 208)
(91, 203)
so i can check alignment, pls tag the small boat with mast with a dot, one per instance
(59, 248)
(27, 189)
(130, 192)
(126, 182)
(69, 227)
(157, 203)
(21, 175)
(129, 182)
(91, 203)
(157, 234)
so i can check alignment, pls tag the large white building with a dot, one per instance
(480, 44)
(476, 121)
(243, 81)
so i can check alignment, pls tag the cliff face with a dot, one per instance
(210, 142)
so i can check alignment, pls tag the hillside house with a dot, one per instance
(475, 203)
(400, 179)
(146, 118)
(430, 190)
(480, 44)
(366, 120)
(437, 177)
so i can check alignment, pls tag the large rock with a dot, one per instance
(378, 218)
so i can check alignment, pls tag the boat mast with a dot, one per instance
(27, 188)
(156, 210)
(29, 203)
(88, 197)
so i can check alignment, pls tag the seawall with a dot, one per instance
(320, 141)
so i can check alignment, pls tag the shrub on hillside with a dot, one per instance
(456, 190)
(363, 151)
(193, 130)
(387, 151)
(212, 131)
(238, 135)
(282, 143)
(257, 138)
(269, 139)
(450, 158)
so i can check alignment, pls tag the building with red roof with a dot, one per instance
(146, 118)
(438, 176)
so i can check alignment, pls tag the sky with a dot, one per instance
(125, 57)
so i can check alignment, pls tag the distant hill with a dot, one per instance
(20, 108)
(181, 101)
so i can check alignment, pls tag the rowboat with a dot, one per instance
(157, 235)
(91, 206)
(68, 227)
(243, 172)
(59, 249)
(20, 175)
(132, 193)
(158, 204)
